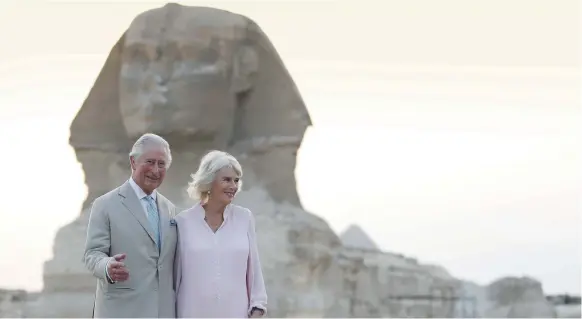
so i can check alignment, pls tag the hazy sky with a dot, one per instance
(448, 129)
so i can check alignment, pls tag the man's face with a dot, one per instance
(149, 169)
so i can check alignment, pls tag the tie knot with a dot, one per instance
(150, 199)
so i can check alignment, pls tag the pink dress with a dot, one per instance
(218, 275)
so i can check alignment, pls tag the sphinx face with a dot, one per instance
(175, 78)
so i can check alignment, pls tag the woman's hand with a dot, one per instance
(257, 313)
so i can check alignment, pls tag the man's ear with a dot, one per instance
(132, 163)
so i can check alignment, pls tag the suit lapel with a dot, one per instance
(131, 202)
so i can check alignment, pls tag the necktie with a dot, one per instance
(154, 219)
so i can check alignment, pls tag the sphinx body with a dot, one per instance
(203, 79)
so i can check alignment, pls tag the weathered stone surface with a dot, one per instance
(12, 303)
(209, 79)
(514, 297)
(380, 284)
(568, 311)
(567, 306)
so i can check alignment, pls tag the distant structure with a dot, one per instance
(567, 306)
(355, 237)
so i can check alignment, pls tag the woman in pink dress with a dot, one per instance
(217, 269)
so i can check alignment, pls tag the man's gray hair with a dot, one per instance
(150, 140)
(204, 176)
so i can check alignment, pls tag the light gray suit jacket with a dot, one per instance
(118, 224)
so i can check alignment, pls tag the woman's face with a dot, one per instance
(224, 186)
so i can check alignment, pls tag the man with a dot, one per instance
(131, 239)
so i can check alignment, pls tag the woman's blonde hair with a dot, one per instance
(210, 164)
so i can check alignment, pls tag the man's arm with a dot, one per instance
(98, 242)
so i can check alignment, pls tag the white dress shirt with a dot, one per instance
(141, 195)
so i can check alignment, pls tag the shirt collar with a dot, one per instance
(139, 192)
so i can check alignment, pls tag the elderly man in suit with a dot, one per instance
(131, 240)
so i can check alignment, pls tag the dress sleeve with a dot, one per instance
(255, 282)
(177, 261)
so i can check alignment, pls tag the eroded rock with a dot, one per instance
(514, 297)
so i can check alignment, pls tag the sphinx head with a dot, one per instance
(203, 79)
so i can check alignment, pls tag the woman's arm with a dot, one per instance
(177, 262)
(255, 282)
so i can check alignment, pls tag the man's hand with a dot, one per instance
(116, 268)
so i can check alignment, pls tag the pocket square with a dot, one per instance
(172, 222)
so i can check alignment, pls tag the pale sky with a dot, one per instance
(448, 130)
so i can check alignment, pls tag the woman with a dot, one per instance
(218, 272)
